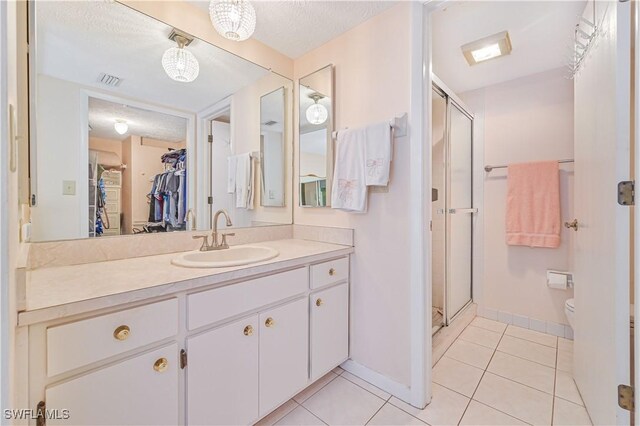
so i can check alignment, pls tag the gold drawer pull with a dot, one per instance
(248, 330)
(332, 272)
(161, 365)
(122, 332)
(319, 302)
(269, 322)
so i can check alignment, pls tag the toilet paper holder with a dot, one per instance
(559, 280)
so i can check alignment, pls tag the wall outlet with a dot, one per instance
(68, 187)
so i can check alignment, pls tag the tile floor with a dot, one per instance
(493, 374)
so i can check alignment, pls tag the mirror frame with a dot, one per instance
(330, 140)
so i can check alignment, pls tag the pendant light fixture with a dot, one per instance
(121, 127)
(233, 19)
(316, 113)
(178, 62)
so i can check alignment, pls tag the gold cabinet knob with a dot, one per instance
(269, 322)
(161, 365)
(248, 330)
(122, 332)
(332, 272)
(319, 302)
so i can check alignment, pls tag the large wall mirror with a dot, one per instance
(316, 145)
(156, 144)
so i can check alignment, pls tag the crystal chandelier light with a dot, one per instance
(179, 63)
(233, 19)
(317, 113)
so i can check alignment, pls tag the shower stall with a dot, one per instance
(452, 206)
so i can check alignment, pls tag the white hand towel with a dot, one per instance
(252, 177)
(243, 171)
(349, 190)
(232, 162)
(377, 151)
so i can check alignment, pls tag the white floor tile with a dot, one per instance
(446, 407)
(338, 370)
(519, 401)
(532, 336)
(314, 387)
(565, 345)
(278, 413)
(566, 387)
(343, 403)
(565, 361)
(300, 417)
(568, 413)
(457, 376)
(478, 414)
(470, 353)
(366, 385)
(488, 324)
(392, 415)
(523, 371)
(481, 336)
(528, 350)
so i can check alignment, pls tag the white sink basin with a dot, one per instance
(233, 256)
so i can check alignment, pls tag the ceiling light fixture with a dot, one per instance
(178, 62)
(121, 127)
(490, 47)
(233, 19)
(317, 113)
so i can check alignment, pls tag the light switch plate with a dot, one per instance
(68, 187)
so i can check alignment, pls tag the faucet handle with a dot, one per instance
(205, 242)
(223, 243)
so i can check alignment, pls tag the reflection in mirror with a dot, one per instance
(316, 127)
(272, 148)
(112, 118)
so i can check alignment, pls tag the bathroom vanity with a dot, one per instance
(172, 345)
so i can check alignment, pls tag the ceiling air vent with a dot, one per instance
(270, 123)
(109, 80)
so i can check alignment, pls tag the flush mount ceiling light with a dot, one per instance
(233, 19)
(178, 62)
(317, 113)
(487, 48)
(121, 127)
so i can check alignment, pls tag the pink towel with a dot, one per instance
(533, 204)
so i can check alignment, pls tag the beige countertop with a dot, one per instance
(62, 291)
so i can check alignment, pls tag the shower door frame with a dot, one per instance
(451, 98)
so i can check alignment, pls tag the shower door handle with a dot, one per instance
(468, 211)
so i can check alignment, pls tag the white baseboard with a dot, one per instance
(547, 327)
(396, 389)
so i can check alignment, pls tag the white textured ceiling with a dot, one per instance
(540, 32)
(299, 26)
(147, 124)
(78, 40)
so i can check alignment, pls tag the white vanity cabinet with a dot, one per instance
(329, 331)
(222, 374)
(229, 353)
(142, 390)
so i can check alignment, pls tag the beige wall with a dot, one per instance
(528, 119)
(109, 145)
(371, 85)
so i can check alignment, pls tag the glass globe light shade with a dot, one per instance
(121, 127)
(317, 114)
(180, 64)
(233, 19)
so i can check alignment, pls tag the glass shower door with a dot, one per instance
(459, 209)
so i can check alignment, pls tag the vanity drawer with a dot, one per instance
(330, 272)
(215, 305)
(83, 342)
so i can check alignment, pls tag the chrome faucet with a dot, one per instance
(214, 234)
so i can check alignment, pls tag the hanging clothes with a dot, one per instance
(168, 195)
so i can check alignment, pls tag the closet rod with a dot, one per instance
(504, 166)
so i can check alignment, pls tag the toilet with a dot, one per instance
(569, 310)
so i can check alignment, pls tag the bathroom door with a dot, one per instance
(602, 239)
(459, 209)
